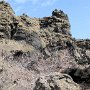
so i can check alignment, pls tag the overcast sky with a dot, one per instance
(77, 10)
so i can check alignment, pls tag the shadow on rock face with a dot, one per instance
(79, 75)
(18, 53)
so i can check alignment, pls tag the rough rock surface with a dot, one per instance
(41, 54)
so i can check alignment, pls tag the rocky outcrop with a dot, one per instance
(58, 22)
(33, 49)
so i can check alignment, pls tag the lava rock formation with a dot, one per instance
(40, 53)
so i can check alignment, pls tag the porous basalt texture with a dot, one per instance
(40, 53)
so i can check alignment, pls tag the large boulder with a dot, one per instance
(56, 81)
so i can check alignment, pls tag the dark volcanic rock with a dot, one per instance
(32, 48)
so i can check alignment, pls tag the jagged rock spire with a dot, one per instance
(59, 14)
